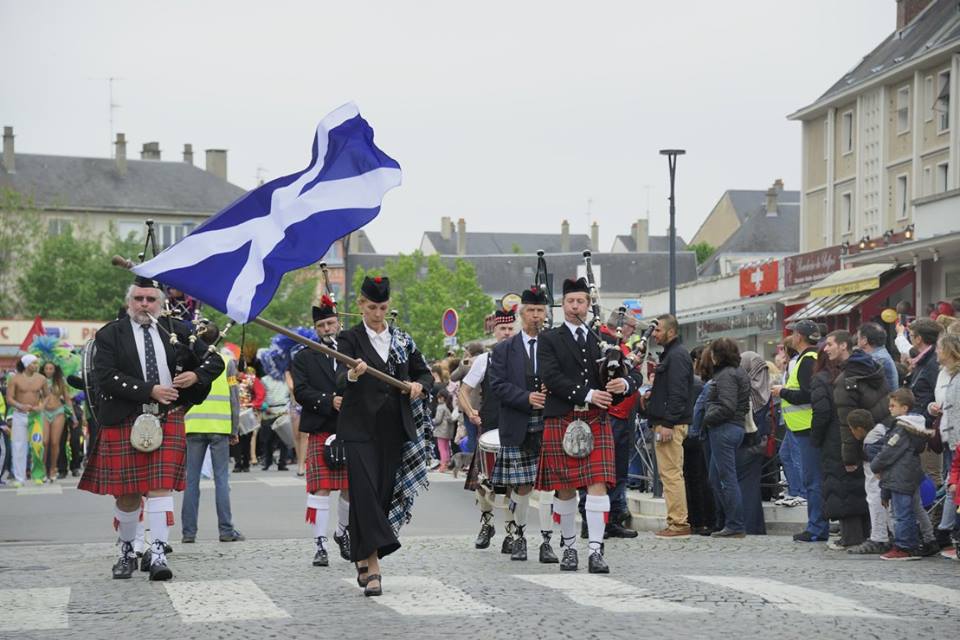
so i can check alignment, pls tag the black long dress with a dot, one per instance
(375, 421)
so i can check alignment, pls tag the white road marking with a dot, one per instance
(788, 597)
(607, 594)
(283, 481)
(52, 489)
(34, 609)
(221, 600)
(932, 592)
(419, 596)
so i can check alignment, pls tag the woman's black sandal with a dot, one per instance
(361, 579)
(373, 591)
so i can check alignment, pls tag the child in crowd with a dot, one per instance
(871, 435)
(898, 464)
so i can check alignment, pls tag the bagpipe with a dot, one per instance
(614, 363)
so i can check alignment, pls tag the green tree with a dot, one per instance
(19, 233)
(703, 250)
(422, 288)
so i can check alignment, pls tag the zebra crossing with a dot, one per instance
(206, 601)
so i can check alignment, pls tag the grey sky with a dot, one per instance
(509, 114)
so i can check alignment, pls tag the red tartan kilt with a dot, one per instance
(115, 468)
(319, 475)
(556, 470)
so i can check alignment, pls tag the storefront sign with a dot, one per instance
(751, 320)
(12, 332)
(758, 279)
(810, 267)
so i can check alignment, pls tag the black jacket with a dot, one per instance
(922, 381)
(362, 399)
(729, 399)
(510, 374)
(843, 492)
(861, 384)
(670, 401)
(569, 372)
(122, 388)
(314, 386)
(899, 460)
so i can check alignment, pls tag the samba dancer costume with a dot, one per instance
(489, 412)
(568, 357)
(514, 375)
(134, 358)
(315, 387)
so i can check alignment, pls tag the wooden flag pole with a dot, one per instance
(122, 262)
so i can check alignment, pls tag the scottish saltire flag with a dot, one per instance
(234, 260)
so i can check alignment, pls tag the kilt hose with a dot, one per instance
(557, 470)
(319, 475)
(115, 468)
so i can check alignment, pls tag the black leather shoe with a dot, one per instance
(547, 556)
(233, 536)
(569, 562)
(616, 530)
(127, 563)
(344, 543)
(507, 546)
(373, 591)
(185, 539)
(486, 533)
(320, 558)
(281, 468)
(598, 564)
(519, 549)
(145, 560)
(159, 571)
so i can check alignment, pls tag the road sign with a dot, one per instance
(450, 341)
(450, 322)
(510, 301)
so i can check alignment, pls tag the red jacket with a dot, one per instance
(955, 468)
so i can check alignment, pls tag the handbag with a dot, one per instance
(578, 439)
(749, 426)
(334, 452)
(147, 433)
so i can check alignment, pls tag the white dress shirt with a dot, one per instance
(380, 341)
(162, 367)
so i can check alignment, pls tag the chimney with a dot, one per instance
(641, 235)
(461, 237)
(8, 157)
(772, 201)
(217, 162)
(564, 237)
(907, 10)
(446, 227)
(150, 151)
(188, 154)
(595, 237)
(121, 154)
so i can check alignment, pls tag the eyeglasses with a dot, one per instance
(145, 298)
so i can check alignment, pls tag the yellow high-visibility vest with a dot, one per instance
(798, 417)
(213, 415)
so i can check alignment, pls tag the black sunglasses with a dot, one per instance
(145, 298)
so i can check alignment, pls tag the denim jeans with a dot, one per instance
(219, 445)
(473, 432)
(810, 472)
(949, 507)
(790, 459)
(905, 531)
(725, 439)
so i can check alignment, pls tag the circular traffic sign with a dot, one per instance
(450, 322)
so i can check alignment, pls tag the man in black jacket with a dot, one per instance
(315, 388)
(670, 409)
(141, 371)
(922, 380)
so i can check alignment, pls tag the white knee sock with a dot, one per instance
(318, 514)
(343, 516)
(160, 515)
(521, 505)
(597, 507)
(567, 510)
(126, 524)
(546, 514)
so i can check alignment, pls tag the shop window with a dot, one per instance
(902, 197)
(903, 110)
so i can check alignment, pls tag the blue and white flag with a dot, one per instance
(234, 260)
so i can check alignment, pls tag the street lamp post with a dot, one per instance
(672, 163)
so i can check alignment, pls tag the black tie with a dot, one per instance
(533, 354)
(150, 356)
(333, 361)
(581, 338)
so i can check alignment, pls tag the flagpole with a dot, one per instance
(124, 263)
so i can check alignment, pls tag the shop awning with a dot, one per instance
(831, 306)
(849, 281)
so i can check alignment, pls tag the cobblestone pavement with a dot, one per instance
(438, 587)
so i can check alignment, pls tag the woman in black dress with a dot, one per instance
(376, 420)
